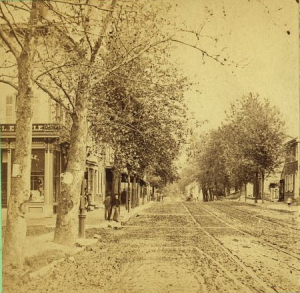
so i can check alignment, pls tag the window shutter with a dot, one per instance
(291, 182)
(9, 113)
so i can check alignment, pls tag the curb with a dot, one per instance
(266, 205)
(280, 209)
(44, 270)
(128, 216)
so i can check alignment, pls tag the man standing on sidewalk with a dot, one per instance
(115, 206)
(123, 197)
(107, 204)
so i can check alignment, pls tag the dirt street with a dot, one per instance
(180, 247)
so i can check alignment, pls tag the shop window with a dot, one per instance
(56, 175)
(90, 181)
(291, 182)
(37, 178)
(4, 162)
(96, 174)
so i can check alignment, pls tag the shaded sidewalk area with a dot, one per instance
(272, 205)
(40, 250)
(95, 217)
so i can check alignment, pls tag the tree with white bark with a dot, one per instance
(22, 46)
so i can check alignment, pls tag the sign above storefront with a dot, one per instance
(43, 129)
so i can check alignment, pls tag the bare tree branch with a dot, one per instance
(204, 53)
(18, 7)
(59, 85)
(58, 101)
(8, 66)
(67, 64)
(9, 83)
(24, 4)
(147, 82)
(9, 43)
(102, 33)
(10, 25)
(78, 4)
(137, 55)
(84, 25)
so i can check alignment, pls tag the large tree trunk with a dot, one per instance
(119, 185)
(205, 195)
(133, 202)
(15, 231)
(128, 193)
(211, 194)
(153, 191)
(66, 230)
(138, 191)
(262, 186)
(256, 187)
(143, 195)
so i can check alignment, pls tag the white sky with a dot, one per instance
(254, 32)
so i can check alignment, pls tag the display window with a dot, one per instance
(4, 164)
(90, 181)
(37, 178)
(56, 175)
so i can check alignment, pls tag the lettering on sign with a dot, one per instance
(35, 127)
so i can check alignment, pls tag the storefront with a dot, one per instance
(95, 180)
(46, 167)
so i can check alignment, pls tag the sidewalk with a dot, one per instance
(94, 219)
(280, 206)
(37, 246)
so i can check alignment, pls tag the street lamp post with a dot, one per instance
(82, 214)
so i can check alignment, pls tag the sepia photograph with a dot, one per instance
(150, 146)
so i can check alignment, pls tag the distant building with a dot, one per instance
(194, 190)
(289, 183)
(271, 188)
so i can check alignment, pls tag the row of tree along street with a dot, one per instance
(106, 64)
(249, 146)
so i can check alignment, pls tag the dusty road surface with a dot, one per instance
(183, 247)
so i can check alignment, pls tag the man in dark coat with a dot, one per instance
(115, 206)
(123, 196)
(107, 204)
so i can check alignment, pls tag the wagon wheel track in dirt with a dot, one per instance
(232, 256)
(281, 225)
(261, 241)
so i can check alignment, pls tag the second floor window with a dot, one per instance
(289, 183)
(10, 110)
